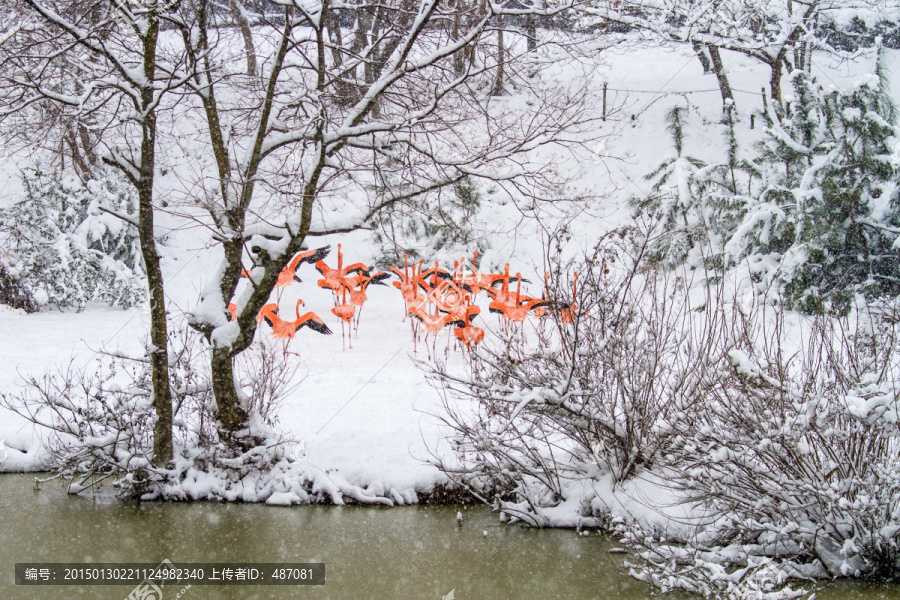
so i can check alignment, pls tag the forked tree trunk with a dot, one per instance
(704, 59)
(721, 75)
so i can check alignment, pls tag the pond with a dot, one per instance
(413, 552)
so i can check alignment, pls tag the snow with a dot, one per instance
(365, 413)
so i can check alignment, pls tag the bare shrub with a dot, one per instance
(101, 419)
(597, 396)
(774, 435)
(797, 456)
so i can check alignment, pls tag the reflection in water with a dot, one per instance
(405, 553)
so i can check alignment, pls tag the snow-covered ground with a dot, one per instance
(366, 413)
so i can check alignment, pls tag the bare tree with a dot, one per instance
(92, 64)
(339, 127)
(345, 126)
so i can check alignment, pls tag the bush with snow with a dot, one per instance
(795, 460)
(594, 396)
(825, 224)
(777, 444)
(67, 245)
(443, 224)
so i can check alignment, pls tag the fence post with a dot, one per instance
(604, 100)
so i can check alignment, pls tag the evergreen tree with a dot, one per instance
(693, 200)
(825, 223)
(66, 249)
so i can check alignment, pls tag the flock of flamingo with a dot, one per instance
(435, 298)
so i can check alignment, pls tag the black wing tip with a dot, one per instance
(378, 278)
(362, 271)
(268, 320)
(319, 327)
(320, 254)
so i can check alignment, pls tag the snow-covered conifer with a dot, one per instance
(68, 247)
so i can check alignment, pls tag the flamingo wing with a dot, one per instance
(379, 277)
(442, 273)
(322, 268)
(314, 256)
(497, 307)
(315, 323)
(538, 303)
(499, 279)
(358, 268)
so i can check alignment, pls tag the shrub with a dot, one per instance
(67, 250)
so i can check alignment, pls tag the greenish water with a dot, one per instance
(396, 553)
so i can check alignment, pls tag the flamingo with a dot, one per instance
(542, 311)
(267, 308)
(409, 282)
(333, 278)
(516, 307)
(409, 288)
(289, 273)
(345, 313)
(357, 286)
(567, 311)
(406, 282)
(466, 332)
(501, 295)
(433, 323)
(437, 271)
(288, 329)
(447, 296)
(477, 281)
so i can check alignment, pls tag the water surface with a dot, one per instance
(404, 553)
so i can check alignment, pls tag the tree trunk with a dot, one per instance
(232, 415)
(247, 34)
(719, 70)
(459, 57)
(704, 59)
(159, 340)
(531, 32)
(775, 79)
(500, 80)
